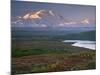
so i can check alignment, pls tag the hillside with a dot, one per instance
(88, 35)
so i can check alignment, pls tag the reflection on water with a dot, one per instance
(83, 43)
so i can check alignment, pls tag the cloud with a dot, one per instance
(67, 23)
(61, 24)
(40, 25)
(15, 22)
(85, 21)
(43, 25)
(19, 17)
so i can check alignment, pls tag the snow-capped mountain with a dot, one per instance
(45, 19)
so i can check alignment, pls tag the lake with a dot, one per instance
(83, 43)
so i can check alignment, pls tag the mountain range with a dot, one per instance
(47, 19)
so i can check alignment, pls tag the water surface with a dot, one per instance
(83, 43)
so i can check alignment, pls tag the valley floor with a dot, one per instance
(50, 56)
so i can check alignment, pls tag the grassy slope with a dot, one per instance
(47, 56)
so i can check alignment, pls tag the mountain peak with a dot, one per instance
(36, 15)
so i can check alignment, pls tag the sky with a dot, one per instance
(37, 14)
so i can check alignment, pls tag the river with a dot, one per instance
(83, 43)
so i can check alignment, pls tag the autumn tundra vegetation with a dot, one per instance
(50, 56)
